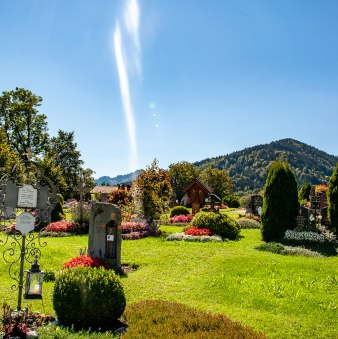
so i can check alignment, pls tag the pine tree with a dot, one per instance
(280, 202)
(332, 199)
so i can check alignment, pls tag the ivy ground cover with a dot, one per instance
(282, 296)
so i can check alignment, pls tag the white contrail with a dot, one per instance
(131, 21)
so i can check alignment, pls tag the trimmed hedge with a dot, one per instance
(220, 224)
(86, 297)
(179, 210)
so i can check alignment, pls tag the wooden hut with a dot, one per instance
(197, 191)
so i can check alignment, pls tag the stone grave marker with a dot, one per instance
(105, 232)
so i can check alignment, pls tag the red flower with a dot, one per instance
(86, 261)
(193, 230)
(181, 219)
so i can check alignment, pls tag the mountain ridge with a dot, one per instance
(249, 167)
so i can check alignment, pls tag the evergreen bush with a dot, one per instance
(57, 212)
(280, 202)
(231, 201)
(179, 210)
(220, 224)
(87, 297)
(332, 199)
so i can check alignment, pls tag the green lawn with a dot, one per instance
(282, 296)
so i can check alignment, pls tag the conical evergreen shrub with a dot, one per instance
(280, 202)
(332, 200)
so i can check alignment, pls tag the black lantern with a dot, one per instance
(34, 279)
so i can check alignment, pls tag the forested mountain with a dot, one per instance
(248, 168)
(120, 179)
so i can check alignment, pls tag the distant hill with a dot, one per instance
(248, 168)
(120, 179)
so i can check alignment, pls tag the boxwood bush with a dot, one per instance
(248, 223)
(87, 297)
(179, 210)
(220, 224)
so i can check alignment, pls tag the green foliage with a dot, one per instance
(8, 159)
(231, 201)
(166, 319)
(57, 212)
(181, 174)
(179, 210)
(332, 199)
(86, 297)
(249, 167)
(304, 192)
(220, 224)
(153, 191)
(273, 247)
(25, 128)
(218, 180)
(280, 202)
(248, 223)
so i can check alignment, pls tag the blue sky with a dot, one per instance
(175, 79)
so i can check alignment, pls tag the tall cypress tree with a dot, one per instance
(332, 199)
(280, 202)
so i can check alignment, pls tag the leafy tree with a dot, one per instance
(218, 180)
(67, 157)
(332, 199)
(25, 128)
(304, 192)
(280, 202)
(231, 201)
(181, 174)
(153, 191)
(8, 159)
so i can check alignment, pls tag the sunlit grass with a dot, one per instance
(283, 296)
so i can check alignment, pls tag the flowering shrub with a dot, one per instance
(252, 216)
(192, 238)
(86, 261)
(181, 219)
(137, 230)
(248, 223)
(312, 237)
(321, 188)
(193, 230)
(130, 226)
(61, 226)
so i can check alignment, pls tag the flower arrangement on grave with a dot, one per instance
(181, 219)
(86, 261)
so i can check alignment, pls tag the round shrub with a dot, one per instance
(220, 224)
(179, 210)
(248, 223)
(87, 297)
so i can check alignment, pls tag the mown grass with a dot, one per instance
(282, 296)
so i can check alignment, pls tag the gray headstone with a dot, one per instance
(105, 232)
(12, 193)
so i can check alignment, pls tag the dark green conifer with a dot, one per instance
(280, 202)
(332, 199)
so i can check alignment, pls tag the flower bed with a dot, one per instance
(184, 237)
(181, 219)
(137, 230)
(195, 231)
(86, 261)
(310, 237)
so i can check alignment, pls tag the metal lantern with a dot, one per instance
(34, 279)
